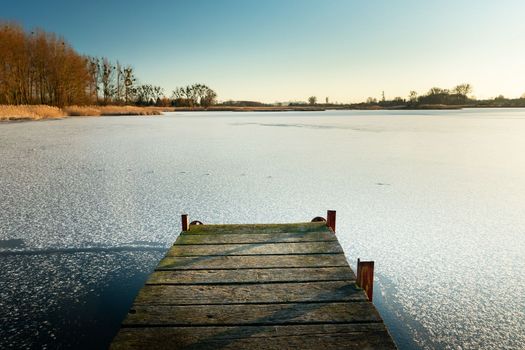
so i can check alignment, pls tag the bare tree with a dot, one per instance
(178, 93)
(119, 80)
(129, 82)
(462, 89)
(107, 76)
(144, 94)
(93, 68)
(412, 96)
(209, 98)
(193, 95)
(437, 91)
(312, 100)
(157, 93)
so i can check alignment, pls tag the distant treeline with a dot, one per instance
(40, 68)
(456, 97)
(193, 95)
(244, 104)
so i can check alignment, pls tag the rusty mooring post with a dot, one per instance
(365, 277)
(185, 220)
(330, 219)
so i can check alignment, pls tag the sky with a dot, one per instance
(288, 50)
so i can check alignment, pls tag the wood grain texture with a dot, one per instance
(250, 262)
(252, 275)
(325, 336)
(258, 228)
(232, 238)
(256, 249)
(252, 314)
(249, 293)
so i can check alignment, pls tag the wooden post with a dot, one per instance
(330, 219)
(365, 277)
(185, 220)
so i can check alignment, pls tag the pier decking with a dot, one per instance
(276, 286)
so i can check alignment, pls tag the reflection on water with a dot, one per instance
(88, 205)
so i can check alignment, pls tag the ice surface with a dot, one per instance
(435, 198)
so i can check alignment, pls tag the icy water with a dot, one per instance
(437, 199)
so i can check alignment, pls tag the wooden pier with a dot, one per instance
(275, 286)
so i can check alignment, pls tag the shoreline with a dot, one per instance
(20, 113)
(328, 108)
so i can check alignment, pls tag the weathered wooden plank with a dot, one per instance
(251, 275)
(256, 249)
(254, 261)
(258, 228)
(232, 238)
(254, 314)
(250, 293)
(326, 337)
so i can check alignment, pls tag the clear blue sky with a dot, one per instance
(281, 50)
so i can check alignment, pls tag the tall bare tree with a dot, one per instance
(129, 84)
(107, 79)
(40, 67)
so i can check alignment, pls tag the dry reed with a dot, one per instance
(82, 111)
(129, 110)
(30, 112)
(111, 110)
(35, 112)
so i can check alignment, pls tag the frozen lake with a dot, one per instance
(436, 198)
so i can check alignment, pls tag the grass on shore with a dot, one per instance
(30, 112)
(111, 110)
(36, 112)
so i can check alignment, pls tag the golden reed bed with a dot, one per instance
(30, 112)
(36, 112)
